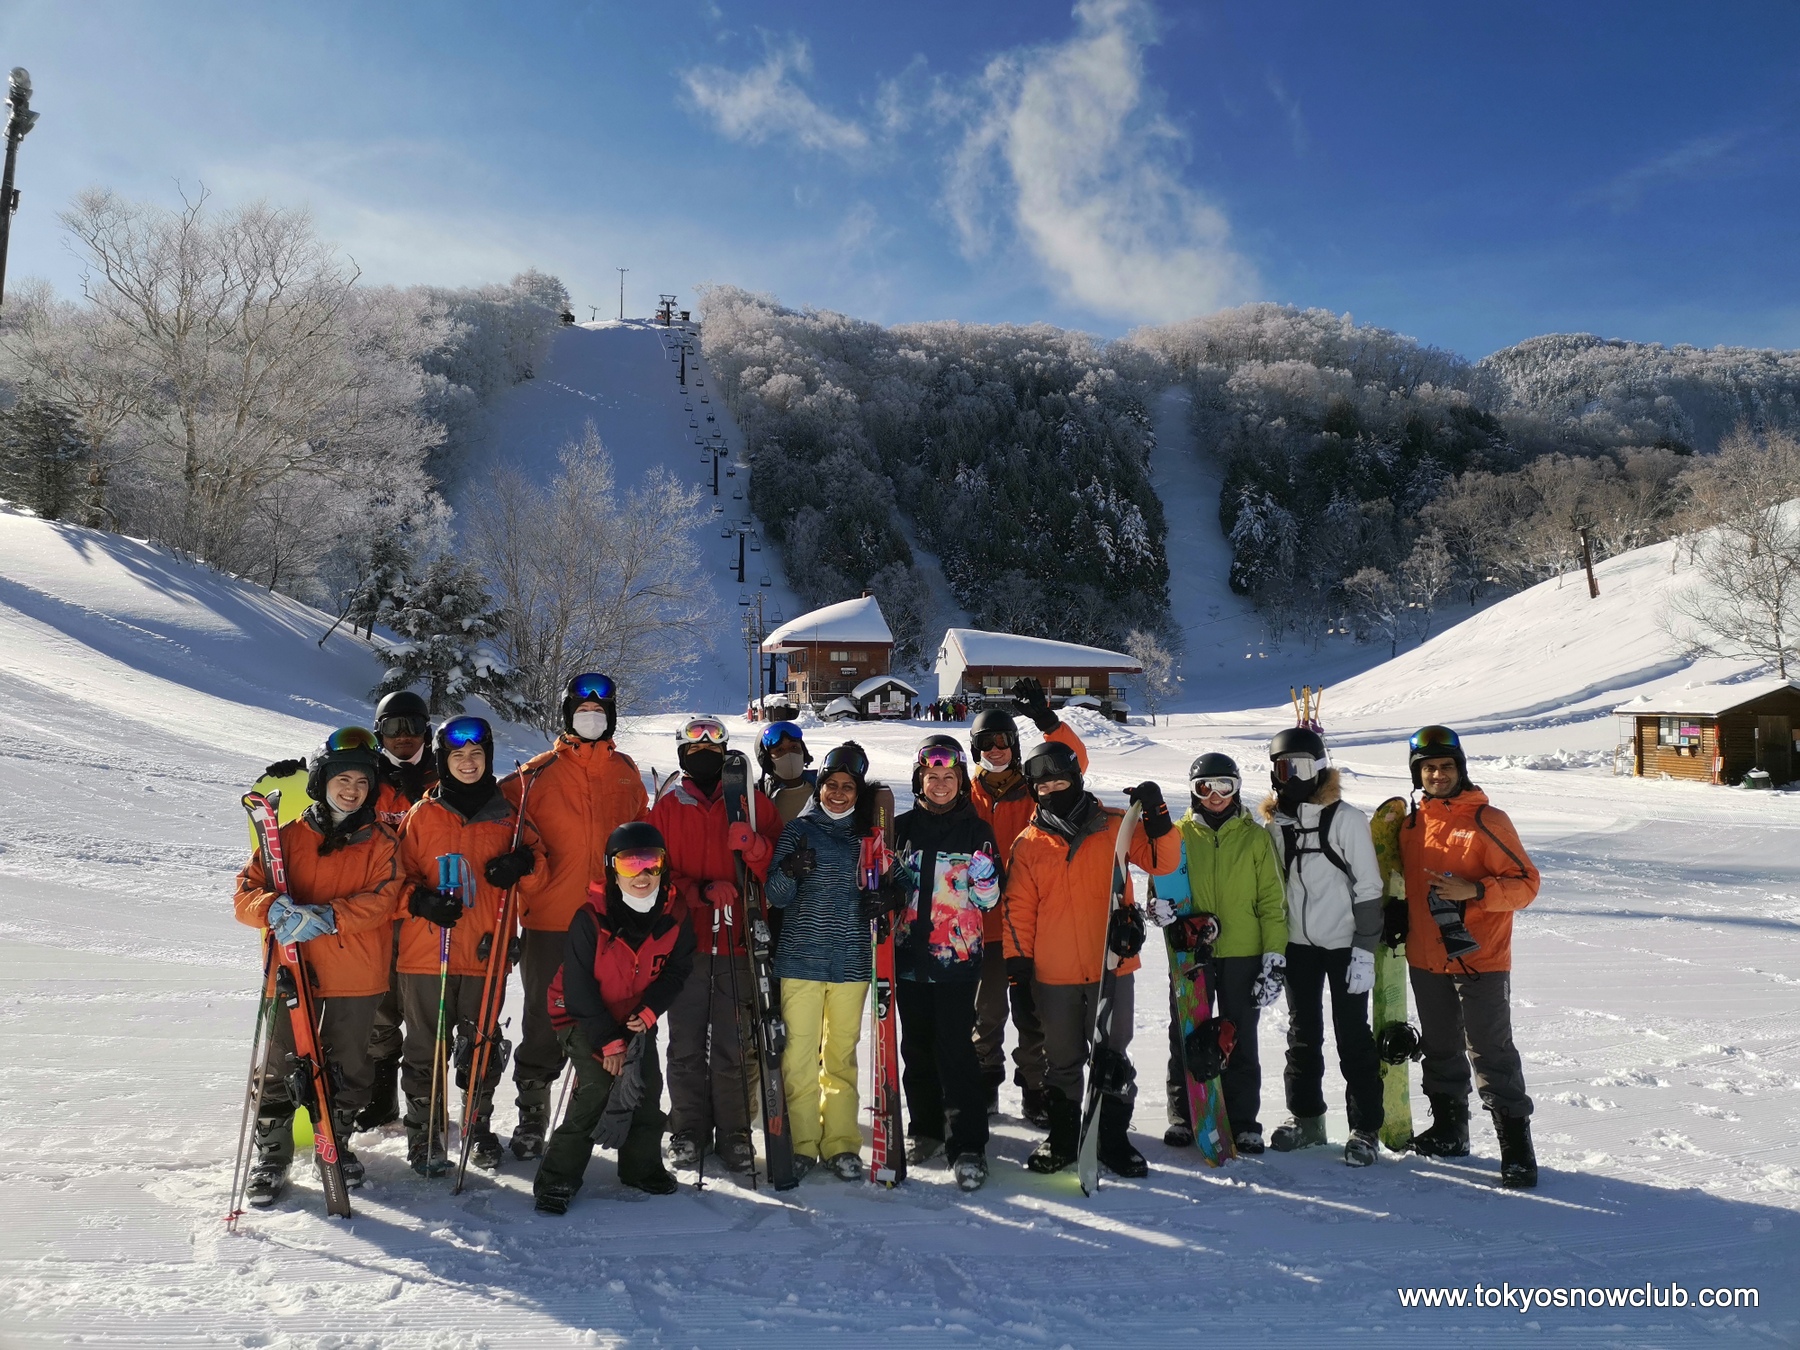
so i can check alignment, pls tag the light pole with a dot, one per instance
(21, 120)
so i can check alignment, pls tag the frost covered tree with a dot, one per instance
(1159, 678)
(1379, 606)
(42, 453)
(447, 626)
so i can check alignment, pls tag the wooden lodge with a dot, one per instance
(1716, 733)
(981, 667)
(832, 652)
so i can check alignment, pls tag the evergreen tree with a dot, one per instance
(41, 453)
(447, 621)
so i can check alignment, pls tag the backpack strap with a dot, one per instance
(1481, 825)
(1290, 846)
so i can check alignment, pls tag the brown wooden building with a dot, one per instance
(981, 667)
(1716, 733)
(831, 651)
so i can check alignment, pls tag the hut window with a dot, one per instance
(1065, 681)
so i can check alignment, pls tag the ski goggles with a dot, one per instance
(848, 759)
(1427, 739)
(701, 731)
(401, 724)
(351, 738)
(639, 862)
(940, 757)
(1217, 787)
(776, 732)
(599, 688)
(461, 731)
(1292, 768)
(992, 740)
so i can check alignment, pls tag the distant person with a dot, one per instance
(1334, 890)
(1466, 874)
(582, 789)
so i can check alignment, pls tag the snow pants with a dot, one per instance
(1068, 1012)
(1311, 971)
(945, 1096)
(991, 1000)
(539, 1060)
(1464, 1018)
(385, 1038)
(419, 1006)
(571, 1147)
(709, 1092)
(344, 1040)
(1241, 1079)
(818, 1068)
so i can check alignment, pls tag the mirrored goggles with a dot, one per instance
(351, 738)
(597, 687)
(940, 757)
(461, 731)
(402, 725)
(1435, 738)
(1217, 787)
(1290, 768)
(777, 732)
(701, 731)
(639, 862)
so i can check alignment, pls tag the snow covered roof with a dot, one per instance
(972, 647)
(1702, 700)
(875, 682)
(858, 620)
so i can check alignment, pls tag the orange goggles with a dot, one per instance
(640, 862)
(701, 731)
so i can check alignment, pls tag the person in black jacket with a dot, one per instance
(950, 880)
(627, 958)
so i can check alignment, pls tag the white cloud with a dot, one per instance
(1062, 137)
(765, 101)
(1699, 157)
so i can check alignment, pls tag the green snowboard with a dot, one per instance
(1390, 979)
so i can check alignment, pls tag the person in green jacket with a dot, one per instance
(1234, 877)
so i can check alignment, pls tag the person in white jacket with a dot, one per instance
(1334, 921)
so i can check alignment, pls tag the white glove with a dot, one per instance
(1160, 912)
(1360, 978)
(1266, 988)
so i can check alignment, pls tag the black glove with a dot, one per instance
(801, 863)
(1028, 697)
(443, 908)
(1149, 797)
(281, 768)
(1020, 971)
(1394, 918)
(506, 870)
(878, 904)
(1195, 933)
(1125, 931)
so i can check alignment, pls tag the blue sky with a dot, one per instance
(1472, 175)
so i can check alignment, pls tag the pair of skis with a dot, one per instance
(1203, 1038)
(1108, 1071)
(887, 1145)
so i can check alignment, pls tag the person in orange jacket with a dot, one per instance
(343, 874)
(1057, 934)
(1466, 875)
(710, 1091)
(582, 789)
(463, 814)
(1003, 799)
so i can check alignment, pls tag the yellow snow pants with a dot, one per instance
(818, 1068)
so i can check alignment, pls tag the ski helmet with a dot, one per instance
(1053, 760)
(1213, 765)
(1436, 743)
(997, 722)
(641, 838)
(590, 688)
(941, 752)
(848, 758)
(456, 733)
(403, 703)
(347, 749)
(774, 734)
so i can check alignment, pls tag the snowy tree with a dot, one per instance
(1379, 606)
(41, 456)
(447, 626)
(1159, 678)
(1426, 577)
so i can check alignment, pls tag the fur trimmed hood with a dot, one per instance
(1329, 790)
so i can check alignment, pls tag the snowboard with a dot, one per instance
(1104, 1072)
(1191, 972)
(1389, 1003)
(887, 1145)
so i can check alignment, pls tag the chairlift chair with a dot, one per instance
(766, 580)
(744, 598)
(725, 532)
(755, 544)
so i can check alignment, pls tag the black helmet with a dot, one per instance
(404, 703)
(943, 745)
(458, 732)
(346, 749)
(1436, 743)
(1214, 765)
(632, 836)
(995, 722)
(590, 688)
(1053, 760)
(848, 758)
(1297, 741)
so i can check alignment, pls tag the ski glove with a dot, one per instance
(443, 908)
(801, 863)
(981, 866)
(1160, 911)
(1196, 933)
(283, 768)
(1360, 978)
(506, 870)
(1394, 920)
(290, 922)
(721, 894)
(1125, 931)
(1028, 697)
(1266, 988)
(1149, 797)
(1020, 971)
(878, 904)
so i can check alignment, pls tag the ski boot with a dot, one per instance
(1179, 1134)
(1064, 1140)
(738, 1153)
(1448, 1136)
(485, 1151)
(553, 1197)
(921, 1149)
(384, 1105)
(534, 1121)
(970, 1170)
(803, 1164)
(1117, 1151)
(274, 1151)
(684, 1150)
(846, 1166)
(1249, 1142)
(349, 1164)
(1360, 1150)
(659, 1182)
(1518, 1160)
(425, 1155)
(1036, 1108)
(1298, 1132)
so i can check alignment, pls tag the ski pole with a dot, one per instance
(737, 1023)
(262, 1049)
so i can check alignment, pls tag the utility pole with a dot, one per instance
(622, 272)
(21, 120)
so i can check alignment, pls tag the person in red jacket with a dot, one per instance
(1003, 799)
(712, 1072)
(343, 875)
(463, 814)
(582, 789)
(628, 954)
(1466, 875)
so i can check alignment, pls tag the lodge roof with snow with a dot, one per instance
(858, 620)
(974, 648)
(878, 682)
(1702, 700)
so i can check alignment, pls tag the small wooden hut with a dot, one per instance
(1716, 733)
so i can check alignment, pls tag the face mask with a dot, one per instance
(789, 767)
(705, 767)
(392, 758)
(589, 724)
(1061, 803)
(338, 816)
(638, 904)
(836, 815)
(992, 767)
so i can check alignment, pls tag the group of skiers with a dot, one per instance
(998, 884)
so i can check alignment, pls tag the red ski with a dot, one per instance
(887, 1152)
